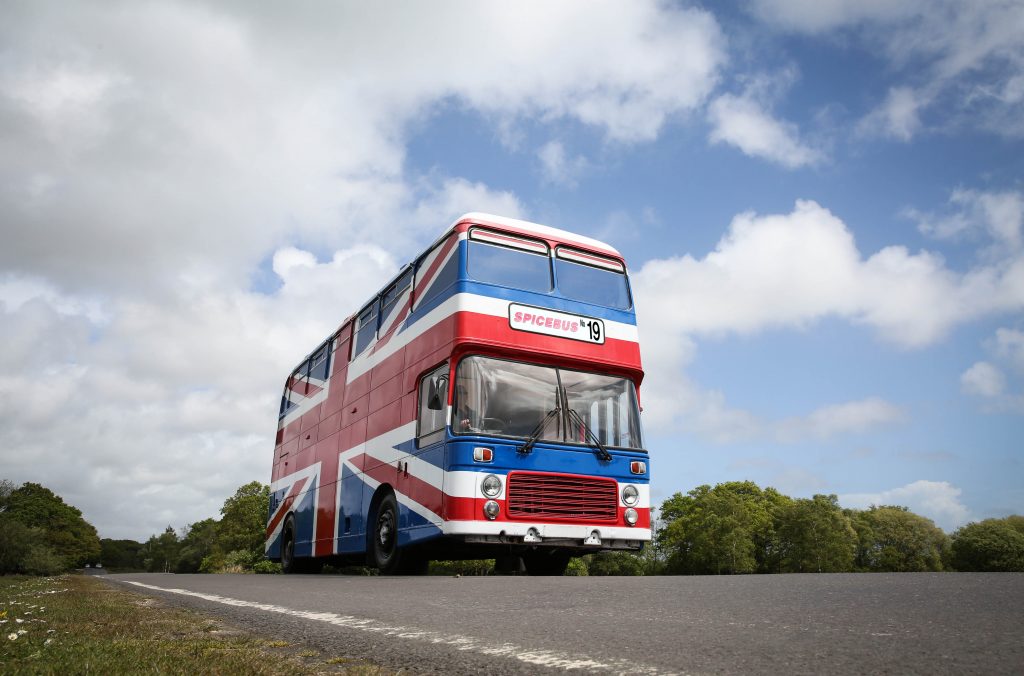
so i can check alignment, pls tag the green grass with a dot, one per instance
(79, 625)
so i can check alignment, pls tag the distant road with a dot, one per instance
(814, 624)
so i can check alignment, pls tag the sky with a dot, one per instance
(821, 203)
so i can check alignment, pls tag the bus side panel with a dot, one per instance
(351, 521)
(303, 514)
(416, 528)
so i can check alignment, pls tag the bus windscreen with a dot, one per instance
(513, 399)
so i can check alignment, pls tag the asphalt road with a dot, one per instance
(900, 623)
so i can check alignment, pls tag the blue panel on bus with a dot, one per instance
(548, 300)
(545, 458)
(273, 548)
(351, 521)
(304, 511)
(414, 528)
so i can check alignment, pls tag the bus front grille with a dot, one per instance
(558, 496)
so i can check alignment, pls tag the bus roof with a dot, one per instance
(538, 230)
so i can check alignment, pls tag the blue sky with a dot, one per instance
(821, 203)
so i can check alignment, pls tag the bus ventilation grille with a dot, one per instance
(555, 496)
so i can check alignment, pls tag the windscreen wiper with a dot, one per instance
(538, 431)
(602, 452)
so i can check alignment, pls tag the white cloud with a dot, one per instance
(742, 122)
(851, 417)
(814, 16)
(788, 271)
(937, 500)
(1000, 215)
(988, 382)
(983, 379)
(792, 269)
(161, 410)
(968, 56)
(707, 413)
(897, 117)
(146, 181)
(202, 135)
(1009, 345)
(557, 167)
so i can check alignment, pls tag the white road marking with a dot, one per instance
(545, 658)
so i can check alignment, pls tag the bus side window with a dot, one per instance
(320, 363)
(294, 390)
(390, 297)
(366, 329)
(433, 406)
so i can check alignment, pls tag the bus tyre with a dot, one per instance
(385, 554)
(288, 564)
(546, 562)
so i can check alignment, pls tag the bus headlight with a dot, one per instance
(631, 516)
(490, 486)
(491, 509)
(630, 495)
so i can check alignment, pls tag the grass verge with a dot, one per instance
(76, 624)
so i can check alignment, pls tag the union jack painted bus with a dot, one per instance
(485, 403)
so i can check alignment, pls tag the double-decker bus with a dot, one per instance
(483, 404)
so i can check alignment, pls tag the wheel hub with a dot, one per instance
(385, 529)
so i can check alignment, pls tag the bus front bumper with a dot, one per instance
(549, 534)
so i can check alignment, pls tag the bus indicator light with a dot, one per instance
(638, 467)
(481, 454)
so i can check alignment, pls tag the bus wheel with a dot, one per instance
(288, 564)
(384, 552)
(542, 562)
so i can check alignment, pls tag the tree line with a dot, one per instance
(732, 528)
(40, 534)
(738, 527)
(233, 543)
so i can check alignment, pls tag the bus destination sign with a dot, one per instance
(554, 323)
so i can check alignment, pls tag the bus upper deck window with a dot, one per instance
(506, 260)
(391, 296)
(366, 329)
(590, 278)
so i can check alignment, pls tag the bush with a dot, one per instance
(212, 563)
(615, 563)
(21, 550)
(994, 545)
(41, 560)
(471, 567)
(577, 567)
(266, 567)
(15, 543)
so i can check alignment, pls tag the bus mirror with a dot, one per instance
(437, 393)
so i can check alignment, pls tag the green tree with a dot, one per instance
(725, 529)
(614, 563)
(6, 488)
(122, 554)
(990, 545)
(200, 541)
(244, 519)
(815, 536)
(62, 528)
(15, 542)
(894, 539)
(161, 551)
